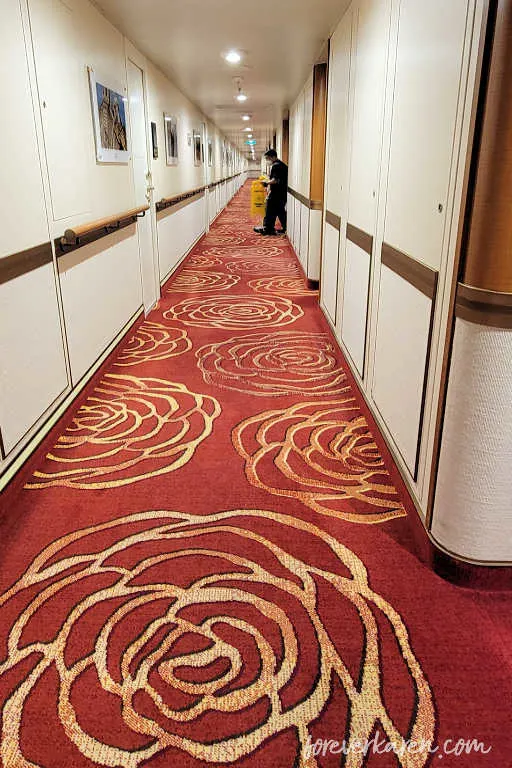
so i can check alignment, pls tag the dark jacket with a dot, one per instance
(279, 171)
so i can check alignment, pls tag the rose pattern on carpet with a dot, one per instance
(132, 429)
(153, 341)
(235, 312)
(272, 364)
(195, 281)
(186, 611)
(323, 454)
(282, 286)
(285, 599)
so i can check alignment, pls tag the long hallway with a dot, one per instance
(212, 558)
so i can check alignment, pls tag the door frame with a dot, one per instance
(135, 57)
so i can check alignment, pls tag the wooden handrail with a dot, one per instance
(72, 235)
(76, 237)
(222, 181)
(167, 202)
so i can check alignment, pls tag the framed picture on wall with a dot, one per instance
(109, 121)
(210, 153)
(154, 140)
(197, 148)
(171, 139)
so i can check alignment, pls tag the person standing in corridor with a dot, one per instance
(277, 196)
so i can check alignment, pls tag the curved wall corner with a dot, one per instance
(472, 517)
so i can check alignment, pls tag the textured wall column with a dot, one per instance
(472, 515)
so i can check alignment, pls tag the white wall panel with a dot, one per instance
(177, 231)
(296, 229)
(355, 303)
(165, 97)
(212, 205)
(400, 358)
(473, 506)
(139, 150)
(305, 160)
(315, 244)
(33, 371)
(101, 290)
(373, 24)
(290, 208)
(22, 213)
(330, 271)
(64, 94)
(338, 121)
(50, 180)
(428, 72)
(301, 121)
(296, 143)
(304, 235)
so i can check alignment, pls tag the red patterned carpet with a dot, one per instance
(214, 562)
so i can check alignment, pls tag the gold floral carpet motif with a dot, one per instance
(131, 429)
(212, 559)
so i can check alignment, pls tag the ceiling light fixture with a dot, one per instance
(233, 57)
(240, 95)
(246, 117)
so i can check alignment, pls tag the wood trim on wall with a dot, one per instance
(489, 308)
(285, 151)
(318, 133)
(304, 200)
(488, 258)
(417, 274)
(333, 220)
(360, 237)
(18, 264)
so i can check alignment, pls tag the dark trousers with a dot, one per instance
(276, 209)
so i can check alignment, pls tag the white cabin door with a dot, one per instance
(143, 185)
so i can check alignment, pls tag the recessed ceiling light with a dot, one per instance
(241, 97)
(247, 130)
(246, 117)
(233, 57)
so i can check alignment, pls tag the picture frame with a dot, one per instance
(154, 140)
(110, 121)
(210, 153)
(171, 139)
(198, 150)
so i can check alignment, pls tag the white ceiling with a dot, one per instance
(280, 41)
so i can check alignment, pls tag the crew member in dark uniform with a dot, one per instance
(277, 197)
